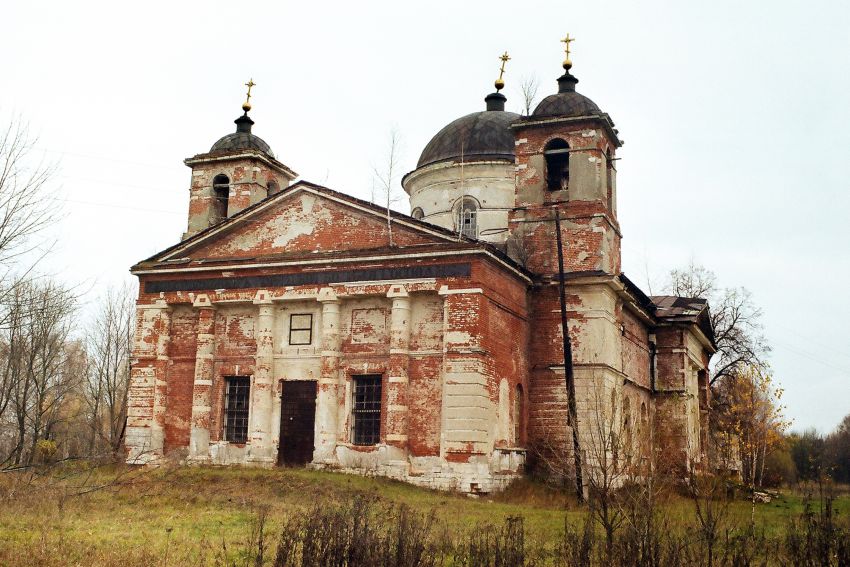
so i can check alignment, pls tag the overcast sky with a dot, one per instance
(735, 116)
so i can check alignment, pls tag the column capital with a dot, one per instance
(397, 291)
(157, 304)
(202, 301)
(444, 290)
(263, 297)
(327, 295)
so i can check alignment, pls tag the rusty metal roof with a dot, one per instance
(692, 310)
(689, 308)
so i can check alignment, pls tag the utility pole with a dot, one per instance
(568, 361)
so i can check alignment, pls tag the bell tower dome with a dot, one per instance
(238, 171)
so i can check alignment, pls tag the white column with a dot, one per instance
(397, 377)
(262, 391)
(199, 439)
(328, 395)
(145, 437)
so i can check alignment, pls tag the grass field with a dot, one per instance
(208, 516)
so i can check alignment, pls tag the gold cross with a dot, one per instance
(566, 41)
(505, 58)
(500, 84)
(249, 84)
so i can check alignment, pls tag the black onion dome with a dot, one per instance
(476, 136)
(242, 139)
(567, 102)
(573, 104)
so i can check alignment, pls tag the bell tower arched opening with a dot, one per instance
(221, 196)
(557, 155)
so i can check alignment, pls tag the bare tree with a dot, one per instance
(711, 508)
(551, 453)
(108, 345)
(384, 178)
(26, 208)
(528, 91)
(608, 459)
(516, 247)
(734, 315)
(36, 369)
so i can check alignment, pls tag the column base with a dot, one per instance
(198, 460)
(262, 456)
(199, 445)
(263, 463)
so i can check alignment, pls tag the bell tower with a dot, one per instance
(565, 156)
(565, 179)
(240, 170)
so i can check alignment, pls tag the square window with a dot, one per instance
(236, 400)
(300, 329)
(366, 410)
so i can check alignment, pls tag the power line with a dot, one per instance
(117, 183)
(813, 343)
(105, 158)
(814, 358)
(110, 205)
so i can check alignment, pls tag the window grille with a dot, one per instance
(366, 410)
(300, 329)
(467, 219)
(236, 400)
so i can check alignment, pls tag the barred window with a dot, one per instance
(237, 394)
(300, 329)
(366, 411)
(467, 219)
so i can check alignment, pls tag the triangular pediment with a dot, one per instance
(305, 219)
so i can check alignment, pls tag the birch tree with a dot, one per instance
(528, 93)
(757, 418)
(385, 179)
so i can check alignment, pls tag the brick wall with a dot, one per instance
(181, 376)
(635, 348)
(305, 222)
(589, 227)
(425, 374)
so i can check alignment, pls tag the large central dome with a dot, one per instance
(464, 181)
(476, 136)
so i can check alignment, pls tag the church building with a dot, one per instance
(297, 325)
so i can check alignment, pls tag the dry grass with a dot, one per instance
(208, 516)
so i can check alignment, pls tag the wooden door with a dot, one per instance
(297, 422)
